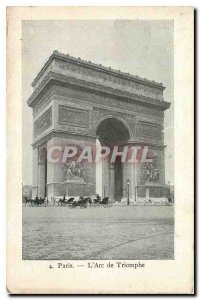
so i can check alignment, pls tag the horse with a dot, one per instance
(82, 202)
(64, 202)
(96, 199)
(70, 200)
(89, 200)
(105, 201)
(28, 201)
(38, 201)
(55, 200)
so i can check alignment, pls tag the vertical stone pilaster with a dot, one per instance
(162, 166)
(42, 172)
(41, 177)
(105, 177)
(35, 173)
(112, 183)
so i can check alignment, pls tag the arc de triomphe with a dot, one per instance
(75, 102)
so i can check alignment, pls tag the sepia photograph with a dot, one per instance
(98, 173)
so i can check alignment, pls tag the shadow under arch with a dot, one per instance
(111, 131)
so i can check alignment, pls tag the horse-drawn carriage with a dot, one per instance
(98, 201)
(71, 202)
(61, 201)
(36, 202)
(81, 202)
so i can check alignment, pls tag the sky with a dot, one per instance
(143, 48)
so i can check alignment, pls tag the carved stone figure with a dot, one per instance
(151, 172)
(74, 171)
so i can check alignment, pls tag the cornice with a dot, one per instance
(142, 143)
(90, 65)
(60, 133)
(98, 88)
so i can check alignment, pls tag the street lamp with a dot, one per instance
(128, 183)
(104, 191)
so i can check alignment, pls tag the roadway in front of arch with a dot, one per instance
(116, 233)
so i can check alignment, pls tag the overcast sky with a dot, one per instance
(143, 48)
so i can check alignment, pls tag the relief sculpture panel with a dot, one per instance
(146, 129)
(43, 122)
(116, 81)
(73, 116)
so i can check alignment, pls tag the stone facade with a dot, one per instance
(70, 99)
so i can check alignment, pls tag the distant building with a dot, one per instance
(27, 191)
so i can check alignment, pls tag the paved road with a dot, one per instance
(119, 232)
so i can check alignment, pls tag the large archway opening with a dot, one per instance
(109, 175)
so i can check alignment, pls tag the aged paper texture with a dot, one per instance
(100, 191)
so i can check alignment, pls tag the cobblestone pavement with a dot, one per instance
(119, 232)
